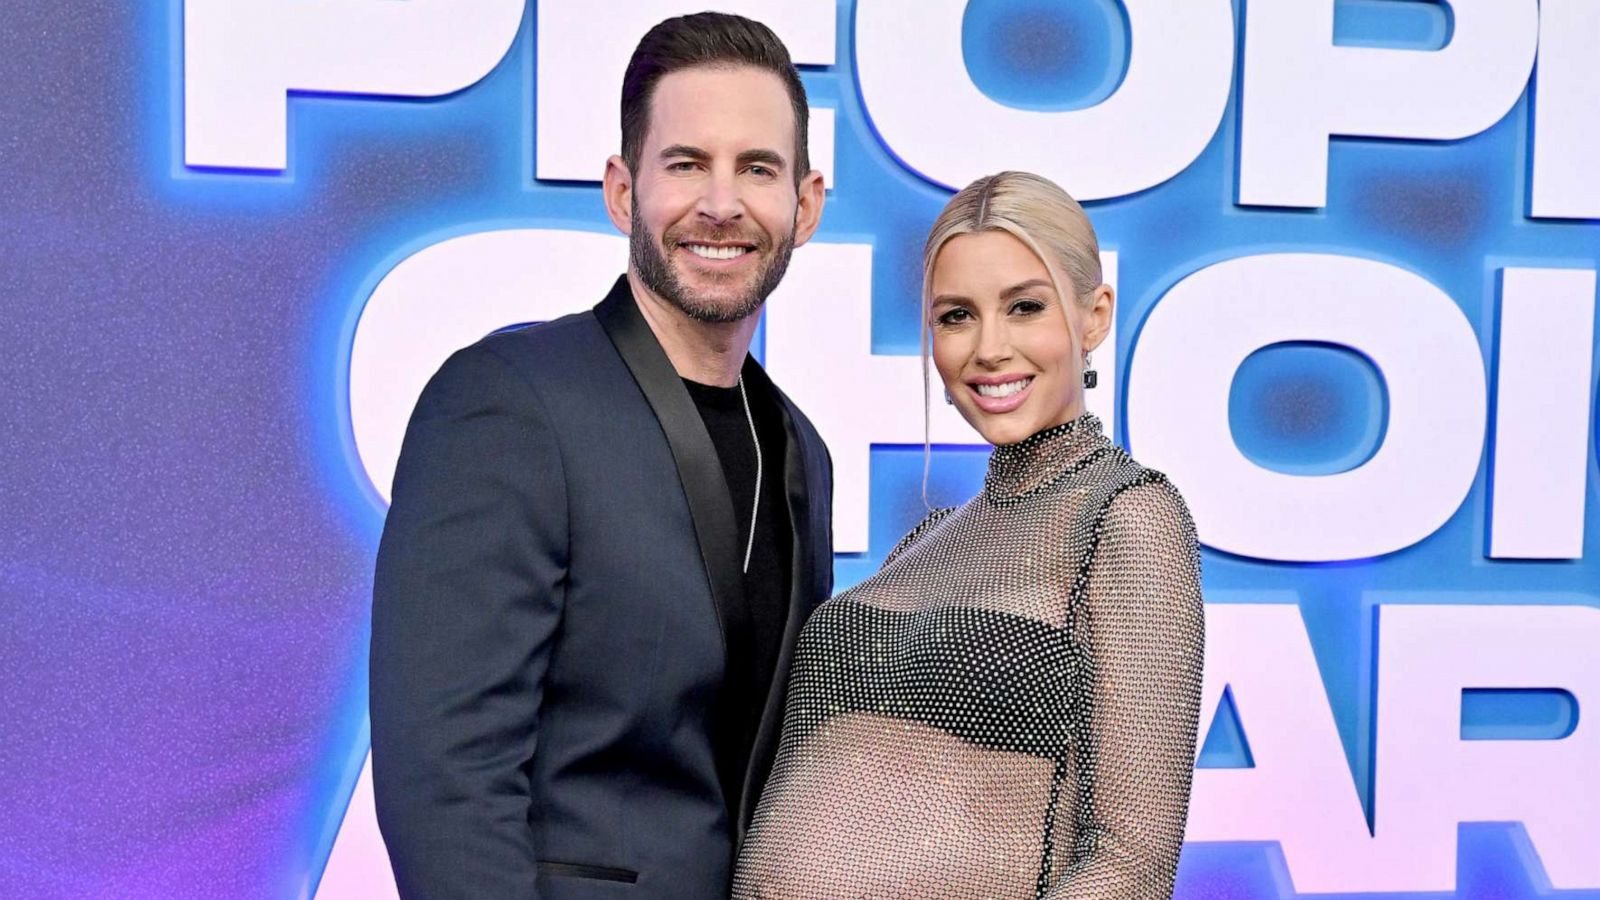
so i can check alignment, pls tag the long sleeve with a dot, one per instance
(467, 597)
(1143, 624)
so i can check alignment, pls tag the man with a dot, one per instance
(607, 530)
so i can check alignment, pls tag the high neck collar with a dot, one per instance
(1017, 470)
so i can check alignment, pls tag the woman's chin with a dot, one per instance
(1004, 428)
(1000, 430)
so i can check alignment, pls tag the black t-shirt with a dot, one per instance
(752, 649)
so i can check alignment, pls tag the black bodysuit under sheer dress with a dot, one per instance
(1008, 707)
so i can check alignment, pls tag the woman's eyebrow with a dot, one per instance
(1023, 287)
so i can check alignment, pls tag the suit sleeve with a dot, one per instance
(467, 599)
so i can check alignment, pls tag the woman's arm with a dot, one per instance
(1142, 619)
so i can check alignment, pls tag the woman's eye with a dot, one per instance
(954, 316)
(1027, 307)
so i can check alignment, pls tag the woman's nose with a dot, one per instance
(994, 344)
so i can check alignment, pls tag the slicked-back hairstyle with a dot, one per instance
(1034, 210)
(706, 39)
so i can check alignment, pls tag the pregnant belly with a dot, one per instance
(878, 807)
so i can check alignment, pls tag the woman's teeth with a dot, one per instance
(705, 252)
(1004, 390)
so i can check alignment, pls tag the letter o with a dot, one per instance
(1199, 333)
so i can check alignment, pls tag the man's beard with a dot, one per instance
(658, 275)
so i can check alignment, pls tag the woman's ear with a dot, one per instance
(1098, 316)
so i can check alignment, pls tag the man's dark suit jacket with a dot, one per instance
(557, 572)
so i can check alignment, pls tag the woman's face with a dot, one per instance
(1007, 347)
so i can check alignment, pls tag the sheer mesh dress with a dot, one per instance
(1008, 707)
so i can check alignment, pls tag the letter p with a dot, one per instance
(241, 59)
(1300, 89)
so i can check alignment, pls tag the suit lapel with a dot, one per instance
(810, 578)
(699, 468)
(711, 509)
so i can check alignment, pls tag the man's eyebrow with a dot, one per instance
(684, 150)
(770, 158)
(1024, 286)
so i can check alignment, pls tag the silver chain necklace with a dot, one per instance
(755, 506)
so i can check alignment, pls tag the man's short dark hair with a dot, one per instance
(706, 39)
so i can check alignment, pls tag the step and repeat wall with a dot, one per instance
(1354, 244)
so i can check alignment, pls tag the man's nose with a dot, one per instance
(721, 200)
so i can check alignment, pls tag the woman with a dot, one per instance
(1008, 707)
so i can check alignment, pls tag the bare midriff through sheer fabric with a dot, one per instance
(1008, 707)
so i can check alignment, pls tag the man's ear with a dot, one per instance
(617, 188)
(1099, 315)
(808, 212)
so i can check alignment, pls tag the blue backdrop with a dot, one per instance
(186, 532)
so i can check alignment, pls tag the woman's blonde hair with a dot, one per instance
(1035, 211)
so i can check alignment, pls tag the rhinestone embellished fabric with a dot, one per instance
(1008, 707)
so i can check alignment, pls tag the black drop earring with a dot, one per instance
(949, 399)
(1090, 376)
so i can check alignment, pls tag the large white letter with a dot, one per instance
(241, 58)
(1300, 89)
(1299, 792)
(915, 86)
(819, 350)
(1201, 331)
(1566, 135)
(450, 294)
(582, 56)
(1429, 780)
(1541, 431)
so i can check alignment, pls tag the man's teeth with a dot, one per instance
(1004, 390)
(705, 252)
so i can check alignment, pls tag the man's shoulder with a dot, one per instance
(545, 344)
(525, 358)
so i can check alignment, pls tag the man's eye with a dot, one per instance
(762, 172)
(681, 166)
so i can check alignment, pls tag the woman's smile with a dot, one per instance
(998, 394)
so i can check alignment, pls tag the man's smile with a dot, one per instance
(717, 251)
